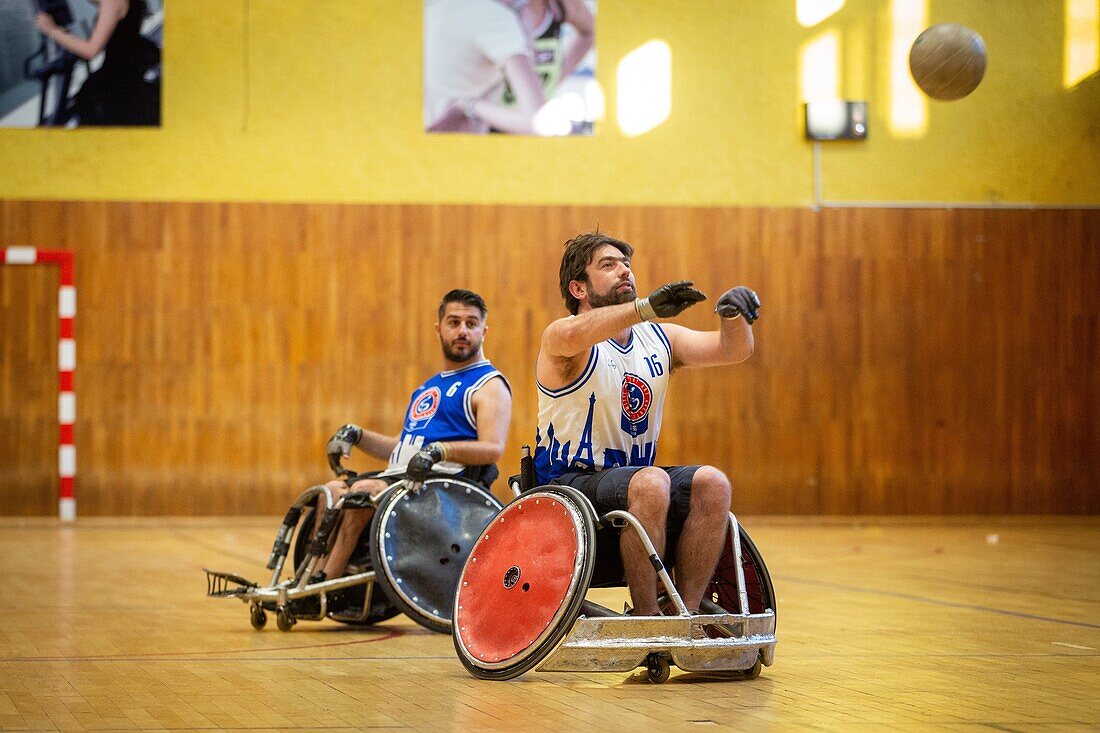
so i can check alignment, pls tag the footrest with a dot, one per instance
(226, 585)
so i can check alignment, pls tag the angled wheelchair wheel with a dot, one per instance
(524, 582)
(420, 540)
(381, 607)
(721, 594)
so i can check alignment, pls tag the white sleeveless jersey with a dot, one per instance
(611, 414)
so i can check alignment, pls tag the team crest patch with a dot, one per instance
(636, 397)
(424, 408)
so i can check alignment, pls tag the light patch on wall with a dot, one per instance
(812, 12)
(819, 61)
(908, 107)
(573, 103)
(645, 88)
(1082, 44)
(577, 102)
(557, 115)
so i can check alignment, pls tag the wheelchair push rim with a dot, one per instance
(524, 583)
(758, 583)
(721, 593)
(420, 541)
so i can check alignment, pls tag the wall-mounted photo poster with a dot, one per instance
(76, 63)
(521, 67)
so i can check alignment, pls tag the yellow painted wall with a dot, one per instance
(271, 100)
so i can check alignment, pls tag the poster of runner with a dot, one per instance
(79, 63)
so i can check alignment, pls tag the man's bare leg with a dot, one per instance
(352, 524)
(337, 488)
(647, 499)
(703, 535)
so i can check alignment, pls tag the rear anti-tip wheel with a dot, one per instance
(257, 617)
(657, 668)
(524, 582)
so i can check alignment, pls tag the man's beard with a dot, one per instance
(453, 354)
(614, 297)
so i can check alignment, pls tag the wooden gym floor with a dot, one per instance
(884, 624)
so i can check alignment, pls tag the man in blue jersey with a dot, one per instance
(602, 375)
(456, 423)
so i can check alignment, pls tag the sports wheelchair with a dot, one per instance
(520, 604)
(414, 550)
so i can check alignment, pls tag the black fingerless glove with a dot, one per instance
(668, 300)
(341, 443)
(420, 465)
(739, 301)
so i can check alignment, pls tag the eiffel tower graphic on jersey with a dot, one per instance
(611, 414)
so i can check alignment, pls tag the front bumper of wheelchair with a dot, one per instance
(620, 644)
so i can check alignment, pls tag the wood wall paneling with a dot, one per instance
(908, 361)
(28, 389)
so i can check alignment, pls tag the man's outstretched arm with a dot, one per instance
(569, 337)
(732, 343)
(574, 335)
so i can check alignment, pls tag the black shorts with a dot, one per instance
(607, 489)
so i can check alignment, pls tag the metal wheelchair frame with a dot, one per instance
(602, 640)
(278, 593)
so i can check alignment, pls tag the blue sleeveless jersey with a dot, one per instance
(440, 410)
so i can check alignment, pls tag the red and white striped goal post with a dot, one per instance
(66, 364)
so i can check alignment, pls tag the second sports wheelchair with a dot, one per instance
(413, 550)
(521, 603)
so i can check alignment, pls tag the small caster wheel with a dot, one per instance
(258, 617)
(657, 668)
(752, 672)
(284, 618)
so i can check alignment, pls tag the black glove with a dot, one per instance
(668, 300)
(420, 465)
(739, 301)
(342, 442)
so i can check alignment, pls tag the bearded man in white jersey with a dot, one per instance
(602, 376)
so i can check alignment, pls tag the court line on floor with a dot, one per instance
(221, 729)
(153, 656)
(173, 660)
(936, 601)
